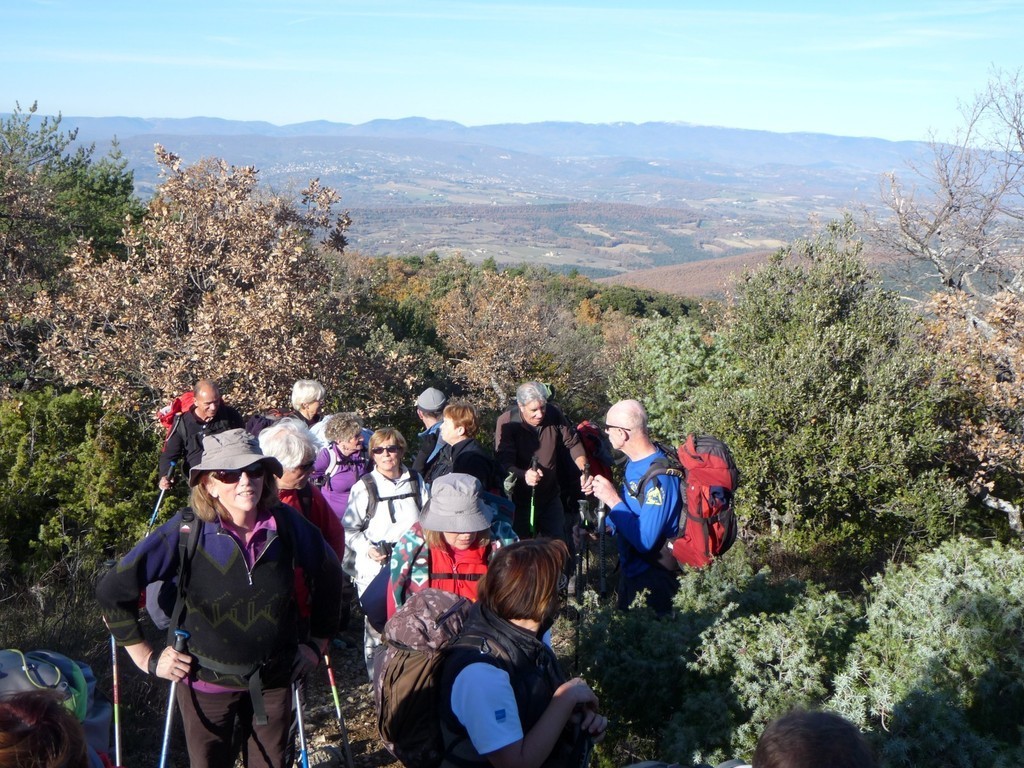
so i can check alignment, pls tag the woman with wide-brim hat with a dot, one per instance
(451, 545)
(252, 629)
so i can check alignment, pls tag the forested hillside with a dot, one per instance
(880, 567)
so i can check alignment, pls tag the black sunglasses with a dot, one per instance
(232, 476)
(386, 448)
(606, 427)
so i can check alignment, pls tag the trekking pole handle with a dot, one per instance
(534, 463)
(180, 640)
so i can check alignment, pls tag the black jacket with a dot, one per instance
(470, 458)
(185, 443)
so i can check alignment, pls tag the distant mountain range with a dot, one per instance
(602, 198)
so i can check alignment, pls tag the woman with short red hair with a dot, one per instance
(462, 452)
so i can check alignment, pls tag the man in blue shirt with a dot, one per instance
(643, 518)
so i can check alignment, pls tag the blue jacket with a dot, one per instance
(643, 524)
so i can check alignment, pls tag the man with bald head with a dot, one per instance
(208, 416)
(643, 518)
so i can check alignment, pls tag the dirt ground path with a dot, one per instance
(356, 697)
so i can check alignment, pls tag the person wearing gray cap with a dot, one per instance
(451, 544)
(248, 636)
(429, 408)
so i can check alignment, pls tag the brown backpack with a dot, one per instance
(407, 675)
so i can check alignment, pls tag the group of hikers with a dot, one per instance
(288, 509)
(291, 512)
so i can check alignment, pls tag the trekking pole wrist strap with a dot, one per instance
(154, 659)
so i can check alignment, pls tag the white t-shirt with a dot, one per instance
(485, 704)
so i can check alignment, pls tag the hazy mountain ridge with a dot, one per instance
(749, 190)
(651, 140)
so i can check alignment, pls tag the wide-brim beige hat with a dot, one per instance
(455, 506)
(231, 449)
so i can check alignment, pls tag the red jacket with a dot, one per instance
(319, 513)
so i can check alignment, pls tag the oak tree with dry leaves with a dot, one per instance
(219, 280)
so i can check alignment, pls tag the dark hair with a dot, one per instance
(802, 739)
(38, 731)
(522, 580)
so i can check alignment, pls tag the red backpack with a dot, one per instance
(599, 452)
(181, 404)
(707, 523)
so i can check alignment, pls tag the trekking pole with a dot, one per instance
(117, 704)
(337, 709)
(581, 550)
(180, 639)
(159, 501)
(534, 463)
(303, 751)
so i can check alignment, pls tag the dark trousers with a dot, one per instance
(548, 515)
(210, 720)
(661, 586)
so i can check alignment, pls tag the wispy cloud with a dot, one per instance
(183, 61)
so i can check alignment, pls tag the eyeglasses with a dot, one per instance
(307, 467)
(386, 448)
(608, 427)
(232, 476)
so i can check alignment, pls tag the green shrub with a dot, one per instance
(70, 475)
(700, 686)
(840, 420)
(940, 668)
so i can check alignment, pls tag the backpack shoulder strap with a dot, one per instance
(305, 501)
(372, 500)
(666, 464)
(333, 459)
(285, 531)
(189, 531)
(417, 483)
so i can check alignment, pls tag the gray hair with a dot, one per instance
(305, 391)
(290, 442)
(531, 392)
(342, 427)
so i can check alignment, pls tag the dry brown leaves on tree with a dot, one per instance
(220, 281)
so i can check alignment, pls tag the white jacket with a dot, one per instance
(361, 534)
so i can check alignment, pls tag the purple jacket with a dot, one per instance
(336, 482)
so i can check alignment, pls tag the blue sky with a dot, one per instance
(894, 70)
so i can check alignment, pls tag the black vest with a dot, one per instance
(532, 669)
(241, 620)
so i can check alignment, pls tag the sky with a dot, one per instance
(894, 70)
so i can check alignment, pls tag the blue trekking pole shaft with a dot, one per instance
(303, 751)
(180, 639)
(159, 500)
